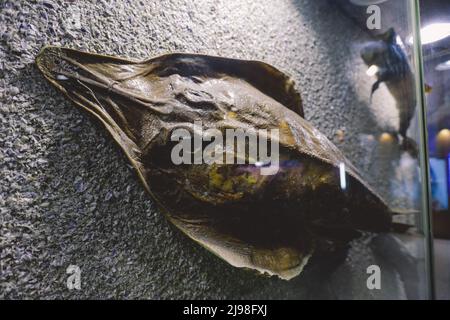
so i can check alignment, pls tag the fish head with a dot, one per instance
(373, 51)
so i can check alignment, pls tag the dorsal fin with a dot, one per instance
(269, 80)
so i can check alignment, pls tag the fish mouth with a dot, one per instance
(51, 65)
(59, 65)
(61, 68)
(66, 68)
(82, 79)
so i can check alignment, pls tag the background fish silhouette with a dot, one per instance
(394, 70)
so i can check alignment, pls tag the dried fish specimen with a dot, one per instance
(270, 223)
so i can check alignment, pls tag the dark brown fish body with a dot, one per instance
(271, 223)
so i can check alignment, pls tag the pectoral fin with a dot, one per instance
(286, 262)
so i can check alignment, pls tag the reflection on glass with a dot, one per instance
(436, 39)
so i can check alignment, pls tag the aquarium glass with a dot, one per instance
(435, 34)
(385, 137)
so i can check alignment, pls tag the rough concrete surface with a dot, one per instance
(67, 195)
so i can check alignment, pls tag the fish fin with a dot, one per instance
(410, 146)
(389, 36)
(404, 212)
(375, 87)
(271, 82)
(399, 227)
(403, 219)
(264, 77)
(283, 261)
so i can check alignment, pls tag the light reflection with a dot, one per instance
(366, 2)
(432, 33)
(443, 66)
(342, 176)
(386, 138)
(443, 139)
(373, 69)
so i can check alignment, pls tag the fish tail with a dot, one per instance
(404, 212)
(398, 227)
(403, 220)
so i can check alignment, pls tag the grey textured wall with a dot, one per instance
(67, 195)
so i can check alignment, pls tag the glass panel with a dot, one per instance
(381, 132)
(436, 52)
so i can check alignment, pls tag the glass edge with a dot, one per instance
(423, 147)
